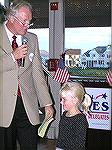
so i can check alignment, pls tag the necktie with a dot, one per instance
(15, 45)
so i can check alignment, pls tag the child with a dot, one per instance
(73, 123)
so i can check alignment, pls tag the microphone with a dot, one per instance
(24, 41)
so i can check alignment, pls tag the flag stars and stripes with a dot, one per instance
(61, 75)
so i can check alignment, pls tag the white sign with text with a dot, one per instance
(100, 114)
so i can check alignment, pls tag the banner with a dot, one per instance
(100, 115)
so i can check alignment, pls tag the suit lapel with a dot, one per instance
(22, 69)
(6, 43)
(29, 44)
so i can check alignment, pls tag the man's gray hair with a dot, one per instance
(14, 7)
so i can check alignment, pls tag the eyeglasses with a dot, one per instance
(25, 23)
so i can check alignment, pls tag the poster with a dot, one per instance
(100, 110)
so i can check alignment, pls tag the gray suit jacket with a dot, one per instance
(32, 81)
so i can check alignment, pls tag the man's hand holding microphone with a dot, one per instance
(20, 52)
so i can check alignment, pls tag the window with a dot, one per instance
(94, 45)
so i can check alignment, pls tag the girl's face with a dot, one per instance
(67, 100)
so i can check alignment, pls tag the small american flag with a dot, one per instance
(61, 75)
(109, 77)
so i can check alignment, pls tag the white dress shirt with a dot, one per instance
(10, 35)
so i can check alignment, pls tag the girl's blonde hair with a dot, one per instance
(78, 91)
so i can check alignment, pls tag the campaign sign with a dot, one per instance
(100, 110)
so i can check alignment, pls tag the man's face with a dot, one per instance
(21, 21)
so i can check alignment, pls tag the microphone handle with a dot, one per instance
(22, 62)
(23, 59)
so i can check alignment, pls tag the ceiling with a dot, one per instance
(78, 13)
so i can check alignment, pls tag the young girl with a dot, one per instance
(73, 123)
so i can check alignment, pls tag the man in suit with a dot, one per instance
(19, 114)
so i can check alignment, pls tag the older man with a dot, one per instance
(22, 86)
